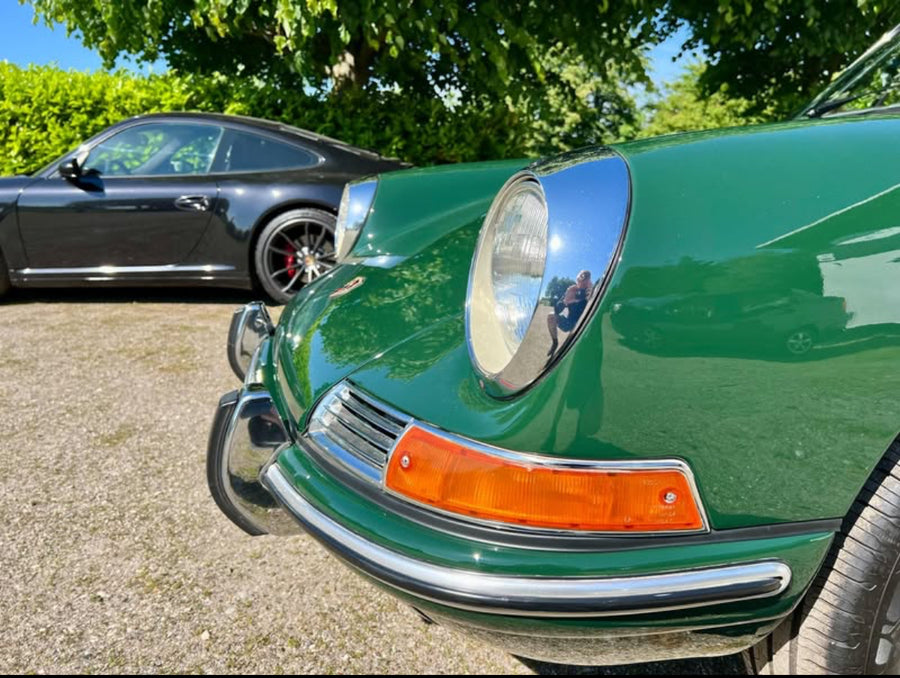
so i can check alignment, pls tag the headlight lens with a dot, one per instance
(356, 205)
(507, 272)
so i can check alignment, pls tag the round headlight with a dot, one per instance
(545, 253)
(356, 204)
(507, 272)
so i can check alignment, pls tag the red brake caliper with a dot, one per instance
(290, 260)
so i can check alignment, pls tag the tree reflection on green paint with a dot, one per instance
(396, 304)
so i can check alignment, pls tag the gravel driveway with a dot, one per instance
(113, 556)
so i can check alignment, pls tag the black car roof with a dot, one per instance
(261, 123)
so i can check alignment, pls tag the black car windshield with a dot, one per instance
(870, 83)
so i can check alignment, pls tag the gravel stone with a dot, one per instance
(115, 558)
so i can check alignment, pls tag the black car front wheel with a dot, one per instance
(294, 249)
(849, 622)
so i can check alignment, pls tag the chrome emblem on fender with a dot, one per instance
(349, 287)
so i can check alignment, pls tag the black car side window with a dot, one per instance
(246, 152)
(156, 149)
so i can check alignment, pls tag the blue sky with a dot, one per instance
(23, 43)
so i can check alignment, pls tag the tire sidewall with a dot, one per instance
(839, 625)
(882, 597)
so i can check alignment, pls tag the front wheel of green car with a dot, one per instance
(849, 622)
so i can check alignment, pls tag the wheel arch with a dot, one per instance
(826, 613)
(874, 476)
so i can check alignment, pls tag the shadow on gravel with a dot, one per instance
(719, 666)
(125, 295)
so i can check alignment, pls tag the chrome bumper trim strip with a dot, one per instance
(531, 596)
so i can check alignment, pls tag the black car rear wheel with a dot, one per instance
(849, 622)
(294, 249)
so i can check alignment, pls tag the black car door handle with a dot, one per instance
(192, 203)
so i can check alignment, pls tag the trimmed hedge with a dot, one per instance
(45, 111)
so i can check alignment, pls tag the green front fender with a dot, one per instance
(738, 242)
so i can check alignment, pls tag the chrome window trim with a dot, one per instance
(838, 84)
(532, 596)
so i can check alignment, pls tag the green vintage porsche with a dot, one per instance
(623, 404)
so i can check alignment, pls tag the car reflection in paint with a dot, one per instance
(773, 325)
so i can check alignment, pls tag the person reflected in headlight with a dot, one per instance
(568, 310)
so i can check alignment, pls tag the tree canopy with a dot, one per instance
(492, 47)
(777, 53)
(686, 108)
(563, 72)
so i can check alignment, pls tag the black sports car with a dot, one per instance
(182, 199)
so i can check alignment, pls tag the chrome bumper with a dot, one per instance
(247, 432)
(532, 596)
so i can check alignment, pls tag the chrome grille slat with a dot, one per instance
(355, 430)
(345, 436)
(329, 447)
(362, 408)
(346, 416)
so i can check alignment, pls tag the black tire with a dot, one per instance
(292, 250)
(4, 276)
(849, 622)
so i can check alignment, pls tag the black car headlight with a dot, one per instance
(354, 210)
(544, 255)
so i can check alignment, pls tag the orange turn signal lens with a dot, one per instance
(448, 475)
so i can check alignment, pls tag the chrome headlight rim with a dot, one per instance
(573, 220)
(357, 201)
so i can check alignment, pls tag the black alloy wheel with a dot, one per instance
(293, 250)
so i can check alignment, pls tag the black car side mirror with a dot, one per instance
(70, 169)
